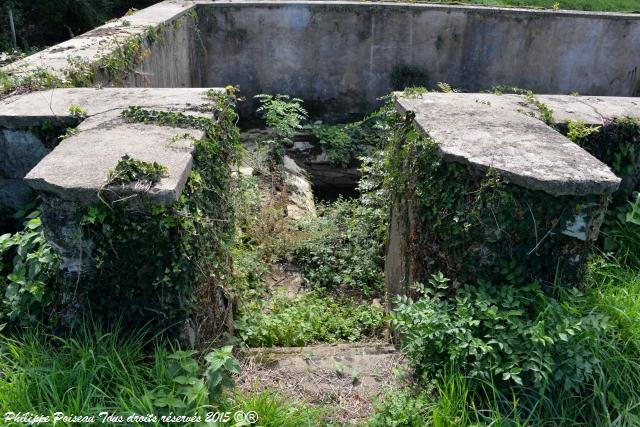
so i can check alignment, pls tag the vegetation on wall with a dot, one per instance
(154, 260)
(481, 226)
(489, 342)
(591, 5)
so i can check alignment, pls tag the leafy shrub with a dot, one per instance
(345, 248)
(616, 144)
(285, 116)
(514, 333)
(27, 267)
(306, 319)
(402, 408)
(336, 141)
(129, 170)
(578, 131)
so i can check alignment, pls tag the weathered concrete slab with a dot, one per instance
(35, 108)
(77, 169)
(488, 131)
(167, 62)
(593, 110)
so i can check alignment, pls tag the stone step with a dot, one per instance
(347, 377)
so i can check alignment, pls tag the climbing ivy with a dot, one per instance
(150, 263)
(130, 170)
(617, 144)
(473, 224)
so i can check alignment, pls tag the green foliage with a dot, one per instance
(274, 410)
(92, 370)
(77, 112)
(402, 408)
(617, 145)
(285, 116)
(153, 260)
(622, 232)
(43, 23)
(221, 365)
(27, 267)
(124, 56)
(578, 131)
(78, 73)
(615, 290)
(344, 250)
(511, 332)
(130, 170)
(545, 113)
(306, 319)
(336, 142)
(471, 221)
(446, 88)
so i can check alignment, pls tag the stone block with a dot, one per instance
(15, 194)
(20, 151)
(490, 192)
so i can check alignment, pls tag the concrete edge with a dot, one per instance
(552, 187)
(431, 6)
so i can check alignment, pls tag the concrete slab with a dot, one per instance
(77, 169)
(593, 110)
(101, 41)
(35, 108)
(485, 130)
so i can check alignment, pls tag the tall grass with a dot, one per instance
(93, 370)
(86, 373)
(610, 395)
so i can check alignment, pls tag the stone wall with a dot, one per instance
(341, 56)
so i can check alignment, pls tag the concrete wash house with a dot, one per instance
(339, 57)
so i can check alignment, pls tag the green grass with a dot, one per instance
(589, 5)
(93, 370)
(309, 318)
(610, 395)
